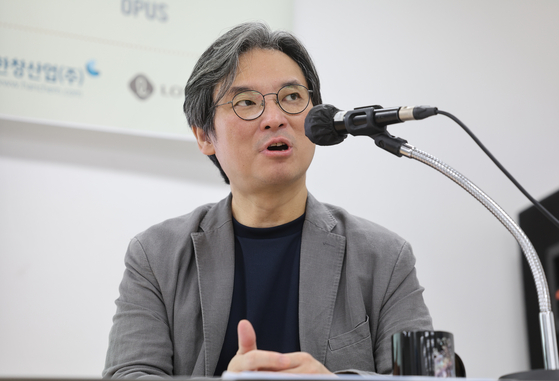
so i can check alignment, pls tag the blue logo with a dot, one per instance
(90, 66)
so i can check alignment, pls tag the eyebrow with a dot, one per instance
(234, 90)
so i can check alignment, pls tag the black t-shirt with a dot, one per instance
(266, 288)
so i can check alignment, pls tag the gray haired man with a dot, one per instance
(268, 279)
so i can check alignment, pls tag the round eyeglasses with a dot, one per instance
(249, 105)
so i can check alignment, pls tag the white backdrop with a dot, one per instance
(70, 199)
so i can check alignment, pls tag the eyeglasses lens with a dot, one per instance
(293, 99)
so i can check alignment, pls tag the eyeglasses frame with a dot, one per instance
(264, 103)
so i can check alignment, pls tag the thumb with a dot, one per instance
(247, 337)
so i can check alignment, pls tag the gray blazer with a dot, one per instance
(357, 287)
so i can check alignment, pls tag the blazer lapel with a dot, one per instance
(322, 255)
(215, 258)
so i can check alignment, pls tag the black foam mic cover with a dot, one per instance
(319, 126)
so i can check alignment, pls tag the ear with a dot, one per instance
(205, 144)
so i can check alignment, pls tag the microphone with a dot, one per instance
(326, 125)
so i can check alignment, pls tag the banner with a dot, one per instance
(115, 65)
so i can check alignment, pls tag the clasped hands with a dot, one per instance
(249, 358)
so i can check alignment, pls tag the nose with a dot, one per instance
(273, 116)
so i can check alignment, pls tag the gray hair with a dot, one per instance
(218, 66)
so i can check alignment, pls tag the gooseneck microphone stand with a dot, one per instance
(547, 321)
(327, 125)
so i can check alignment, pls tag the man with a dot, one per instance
(269, 278)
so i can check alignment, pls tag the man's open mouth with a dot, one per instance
(278, 147)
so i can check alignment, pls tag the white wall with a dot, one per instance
(71, 199)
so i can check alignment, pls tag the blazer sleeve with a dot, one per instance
(139, 342)
(403, 308)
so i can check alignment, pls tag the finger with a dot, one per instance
(304, 363)
(247, 337)
(259, 360)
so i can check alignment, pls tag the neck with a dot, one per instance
(268, 208)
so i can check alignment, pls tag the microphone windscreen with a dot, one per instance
(319, 126)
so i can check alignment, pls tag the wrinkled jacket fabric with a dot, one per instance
(357, 287)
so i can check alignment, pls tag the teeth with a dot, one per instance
(278, 147)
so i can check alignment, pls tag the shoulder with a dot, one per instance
(339, 221)
(165, 251)
(364, 239)
(177, 226)
(176, 232)
(351, 222)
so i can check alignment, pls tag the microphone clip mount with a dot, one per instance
(371, 121)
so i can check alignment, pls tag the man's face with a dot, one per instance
(243, 147)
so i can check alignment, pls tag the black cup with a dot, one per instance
(423, 353)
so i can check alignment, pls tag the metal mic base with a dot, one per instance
(533, 375)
